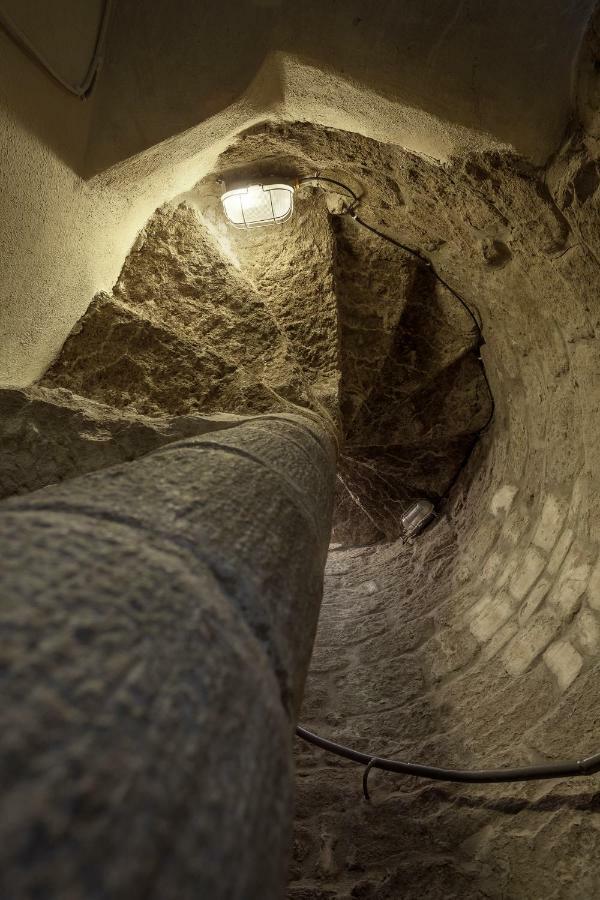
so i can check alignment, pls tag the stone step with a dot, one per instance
(294, 277)
(181, 333)
(48, 435)
(124, 360)
(413, 394)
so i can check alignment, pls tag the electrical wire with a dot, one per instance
(318, 177)
(589, 765)
(417, 254)
(427, 262)
(85, 87)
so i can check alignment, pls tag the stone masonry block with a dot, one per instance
(492, 566)
(502, 500)
(507, 572)
(530, 642)
(564, 662)
(502, 636)
(550, 525)
(572, 583)
(560, 551)
(492, 617)
(535, 599)
(586, 632)
(581, 489)
(515, 526)
(594, 587)
(528, 572)
(482, 604)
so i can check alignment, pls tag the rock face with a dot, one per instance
(411, 396)
(180, 334)
(480, 645)
(294, 275)
(411, 664)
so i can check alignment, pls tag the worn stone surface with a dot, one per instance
(294, 277)
(390, 677)
(49, 435)
(182, 333)
(138, 604)
(411, 395)
(328, 317)
(564, 661)
(406, 676)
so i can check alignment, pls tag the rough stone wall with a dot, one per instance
(411, 396)
(294, 276)
(180, 333)
(398, 670)
(63, 238)
(480, 644)
(48, 435)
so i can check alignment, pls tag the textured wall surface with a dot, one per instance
(414, 72)
(158, 617)
(410, 662)
(49, 435)
(480, 644)
(62, 238)
(182, 332)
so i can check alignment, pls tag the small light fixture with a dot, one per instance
(417, 517)
(259, 204)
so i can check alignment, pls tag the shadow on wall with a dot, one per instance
(478, 68)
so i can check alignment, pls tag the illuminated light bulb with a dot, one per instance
(259, 204)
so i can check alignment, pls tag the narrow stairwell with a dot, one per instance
(319, 314)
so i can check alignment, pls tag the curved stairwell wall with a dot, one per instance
(479, 645)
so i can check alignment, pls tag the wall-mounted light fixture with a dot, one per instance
(417, 517)
(259, 204)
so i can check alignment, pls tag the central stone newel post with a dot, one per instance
(157, 621)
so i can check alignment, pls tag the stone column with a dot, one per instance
(157, 621)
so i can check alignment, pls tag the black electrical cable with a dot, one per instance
(420, 256)
(417, 254)
(590, 765)
(317, 177)
(84, 88)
